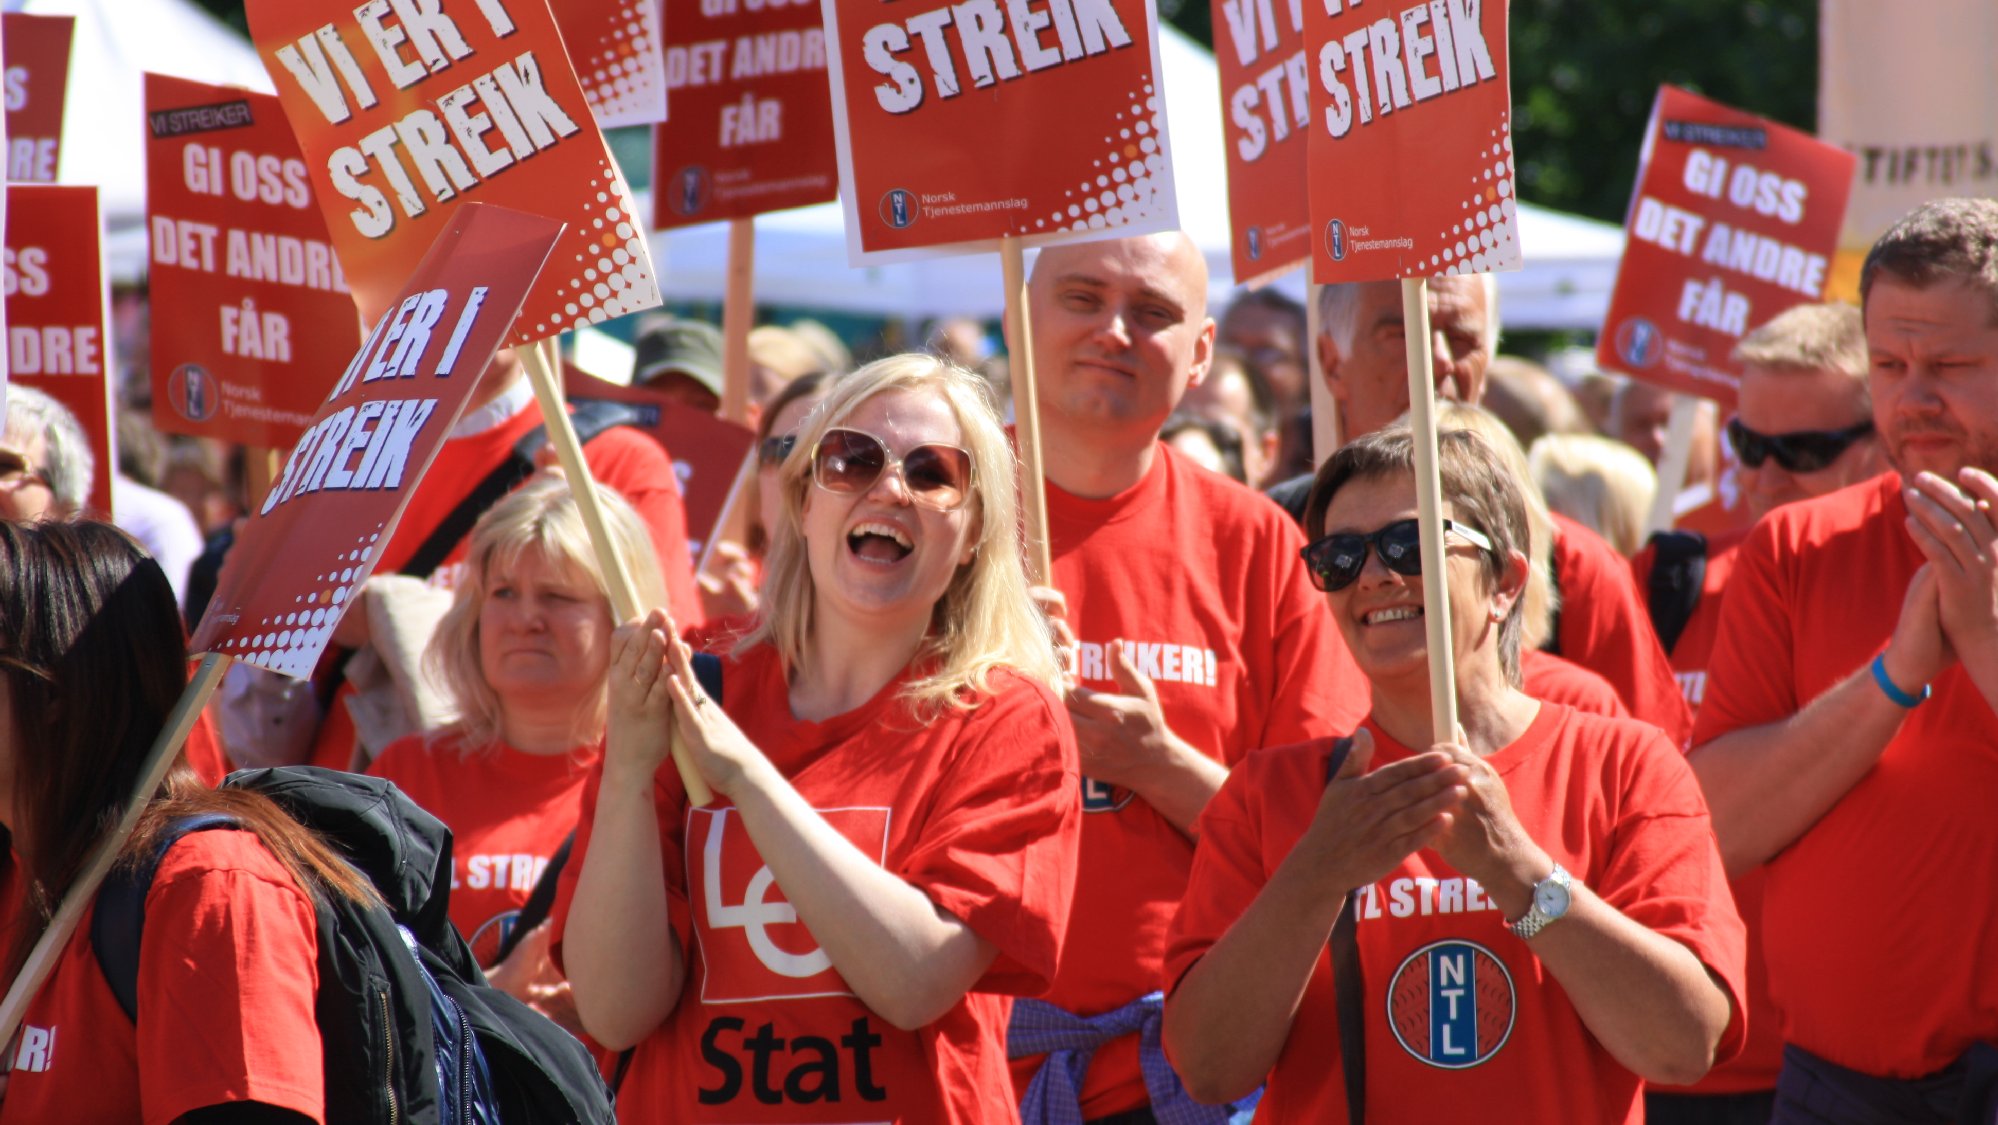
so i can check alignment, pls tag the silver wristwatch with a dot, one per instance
(1551, 899)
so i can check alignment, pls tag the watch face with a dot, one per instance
(1551, 899)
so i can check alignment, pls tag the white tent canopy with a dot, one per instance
(801, 255)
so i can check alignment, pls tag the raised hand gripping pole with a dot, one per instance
(623, 592)
(1429, 509)
(166, 747)
(1026, 412)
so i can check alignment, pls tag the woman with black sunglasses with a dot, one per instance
(891, 849)
(1537, 911)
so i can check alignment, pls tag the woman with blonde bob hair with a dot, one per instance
(522, 654)
(891, 846)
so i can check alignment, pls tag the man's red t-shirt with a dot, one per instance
(1605, 628)
(1762, 1055)
(1202, 577)
(228, 972)
(1556, 679)
(508, 811)
(976, 809)
(1463, 1022)
(1871, 918)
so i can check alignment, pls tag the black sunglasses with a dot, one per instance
(1335, 560)
(1804, 451)
(775, 449)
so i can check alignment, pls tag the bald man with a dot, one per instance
(1194, 637)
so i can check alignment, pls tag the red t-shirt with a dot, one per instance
(508, 811)
(1557, 679)
(1610, 799)
(1606, 628)
(227, 976)
(1872, 917)
(1202, 575)
(975, 809)
(1762, 1055)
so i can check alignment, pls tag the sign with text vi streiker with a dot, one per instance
(751, 129)
(299, 558)
(252, 319)
(404, 112)
(52, 277)
(1265, 103)
(1734, 220)
(1410, 140)
(36, 50)
(961, 124)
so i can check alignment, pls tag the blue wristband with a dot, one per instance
(1891, 690)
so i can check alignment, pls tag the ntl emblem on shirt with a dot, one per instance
(751, 941)
(1451, 1004)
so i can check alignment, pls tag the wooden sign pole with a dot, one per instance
(1429, 508)
(165, 750)
(1026, 412)
(569, 453)
(1673, 462)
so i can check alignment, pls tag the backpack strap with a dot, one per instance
(1678, 571)
(1347, 986)
(119, 921)
(589, 419)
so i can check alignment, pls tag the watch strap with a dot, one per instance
(1536, 919)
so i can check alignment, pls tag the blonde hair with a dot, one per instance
(541, 517)
(1819, 337)
(985, 619)
(1542, 598)
(1604, 485)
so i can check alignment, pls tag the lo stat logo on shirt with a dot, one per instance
(1451, 1004)
(751, 941)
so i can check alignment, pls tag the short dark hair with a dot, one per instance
(1475, 482)
(1944, 239)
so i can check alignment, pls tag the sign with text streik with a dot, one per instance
(961, 124)
(615, 49)
(36, 50)
(251, 316)
(751, 129)
(301, 555)
(52, 277)
(1410, 140)
(407, 111)
(706, 448)
(1265, 111)
(1734, 219)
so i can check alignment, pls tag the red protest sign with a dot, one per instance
(36, 50)
(53, 282)
(1734, 220)
(405, 113)
(751, 129)
(962, 124)
(614, 47)
(707, 449)
(1265, 93)
(1410, 140)
(301, 556)
(251, 317)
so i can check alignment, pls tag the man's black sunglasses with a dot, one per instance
(1335, 560)
(1804, 451)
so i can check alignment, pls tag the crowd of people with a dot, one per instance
(1162, 834)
